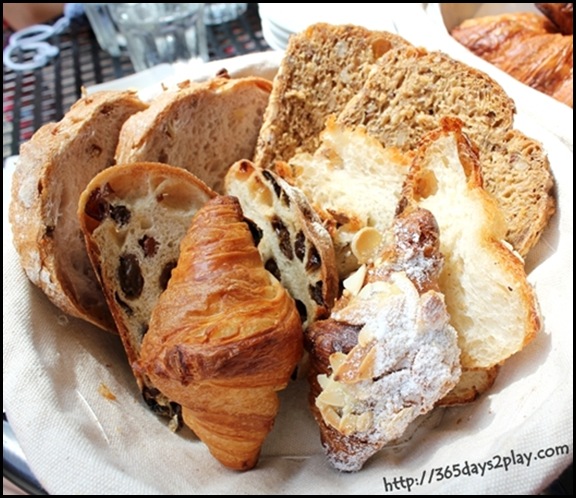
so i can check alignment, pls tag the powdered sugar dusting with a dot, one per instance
(406, 359)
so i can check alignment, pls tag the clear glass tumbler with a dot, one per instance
(161, 32)
(105, 30)
(218, 13)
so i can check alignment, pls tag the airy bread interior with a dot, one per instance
(491, 304)
(412, 89)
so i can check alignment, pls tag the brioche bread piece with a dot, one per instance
(491, 304)
(133, 218)
(323, 67)
(388, 354)
(354, 184)
(201, 127)
(412, 89)
(293, 244)
(54, 168)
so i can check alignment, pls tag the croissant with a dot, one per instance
(387, 353)
(224, 337)
(527, 46)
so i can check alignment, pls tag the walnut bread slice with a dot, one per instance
(54, 168)
(201, 127)
(133, 218)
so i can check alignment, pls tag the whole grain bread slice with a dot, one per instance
(411, 90)
(323, 67)
(54, 168)
(133, 218)
(201, 127)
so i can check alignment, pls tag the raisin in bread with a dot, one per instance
(133, 218)
(54, 168)
(410, 92)
(201, 127)
(292, 242)
(323, 67)
(355, 185)
(491, 303)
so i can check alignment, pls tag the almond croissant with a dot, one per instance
(387, 353)
(224, 336)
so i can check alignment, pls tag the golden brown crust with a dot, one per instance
(224, 336)
(560, 14)
(54, 167)
(525, 45)
(472, 384)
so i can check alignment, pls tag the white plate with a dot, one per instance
(78, 441)
(295, 17)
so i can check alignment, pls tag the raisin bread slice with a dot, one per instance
(54, 168)
(133, 218)
(323, 67)
(293, 244)
(412, 90)
(201, 127)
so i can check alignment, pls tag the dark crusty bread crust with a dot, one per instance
(323, 67)
(133, 218)
(410, 92)
(54, 167)
(201, 127)
(294, 245)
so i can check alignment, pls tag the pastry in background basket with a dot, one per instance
(534, 49)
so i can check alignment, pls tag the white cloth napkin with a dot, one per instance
(79, 441)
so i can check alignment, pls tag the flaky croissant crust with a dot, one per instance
(527, 46)
(224, 336)
(219, 295)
